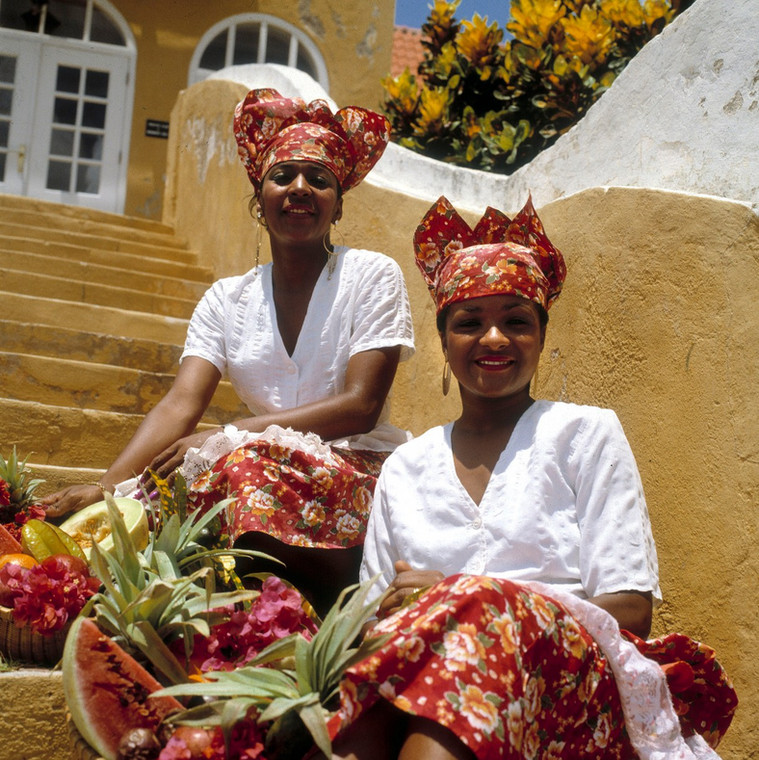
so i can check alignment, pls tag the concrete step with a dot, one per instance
(94, 273)
(108, 320)
(82, 384)
(80, 215)
(65, 436)
(56, 341)
(122, 241)
(59, 477)
(63, 288)
(132, 262)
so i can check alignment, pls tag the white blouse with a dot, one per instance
(564, 506)
(362, 305)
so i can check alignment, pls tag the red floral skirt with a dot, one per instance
(297, 497)
(511, 672)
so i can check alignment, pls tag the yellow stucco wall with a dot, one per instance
(354, 37)
(657, 321)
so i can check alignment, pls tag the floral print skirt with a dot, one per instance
(317, 499)
(509, 671)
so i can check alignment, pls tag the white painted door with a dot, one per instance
(69, 121)
(19, 65)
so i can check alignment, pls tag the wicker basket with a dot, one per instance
(24, 645)
(80, 750)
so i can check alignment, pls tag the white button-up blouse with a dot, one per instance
(564, 506)
(361, 305)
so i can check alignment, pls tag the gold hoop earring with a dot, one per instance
(337, 232)
(446, 377)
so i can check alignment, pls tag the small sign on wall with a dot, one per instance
(155, 128)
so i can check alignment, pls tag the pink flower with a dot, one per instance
(276, 613)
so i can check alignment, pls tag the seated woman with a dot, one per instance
(310, 342)
(513, 545)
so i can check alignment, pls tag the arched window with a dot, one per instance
(256, 38)
(73, 19)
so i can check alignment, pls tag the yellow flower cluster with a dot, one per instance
(589, 35)
(479, 43)
(532, 20)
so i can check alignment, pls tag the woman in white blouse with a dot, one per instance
(310, 342)
(512, 546)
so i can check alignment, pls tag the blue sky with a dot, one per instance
(414, 12)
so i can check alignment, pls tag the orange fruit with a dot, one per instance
(25, 560)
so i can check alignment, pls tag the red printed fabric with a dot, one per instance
(294, 496)
(509, 671)
(702, 694)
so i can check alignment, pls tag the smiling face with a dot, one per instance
(299, 200)
(493, 345)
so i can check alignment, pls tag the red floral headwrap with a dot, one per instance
(498, 256)
(270, 129)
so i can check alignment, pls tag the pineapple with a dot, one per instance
(300, 687)
(151, 597)
(20, 487)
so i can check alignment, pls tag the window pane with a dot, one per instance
(305, 63)
(58, 175)
(64, 111)
(103, 29)
(87, 179)
(91, 146)
(5, 128)
(213, 55)
(96, 84)
(67, 79)
(246, 43)
(6, 100)
(7, 69)
(70, 16)
(12, 15)
(62, 142)
(277, 46)
(94, 115)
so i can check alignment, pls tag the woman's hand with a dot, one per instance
(71, 499)
(407, 581)
(165, 464)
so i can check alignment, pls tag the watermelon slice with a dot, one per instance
(107, 691)
(8, 544)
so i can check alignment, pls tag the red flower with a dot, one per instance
(48, 595)
(5, 494)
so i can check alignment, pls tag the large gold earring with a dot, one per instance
(259, 234)
(446, 377)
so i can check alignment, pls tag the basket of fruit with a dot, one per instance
(24, 644)
(44, 575)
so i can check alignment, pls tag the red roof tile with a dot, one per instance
(407, 50)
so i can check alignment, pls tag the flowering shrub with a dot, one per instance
(49, 594)
(276, 613)
(486, 103)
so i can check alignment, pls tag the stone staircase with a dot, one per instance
(94, 312)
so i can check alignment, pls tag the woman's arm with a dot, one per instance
(356, 410)
(631, 609)
(173, 417)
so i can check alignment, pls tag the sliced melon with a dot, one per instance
(92, 524)
(107, 691)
